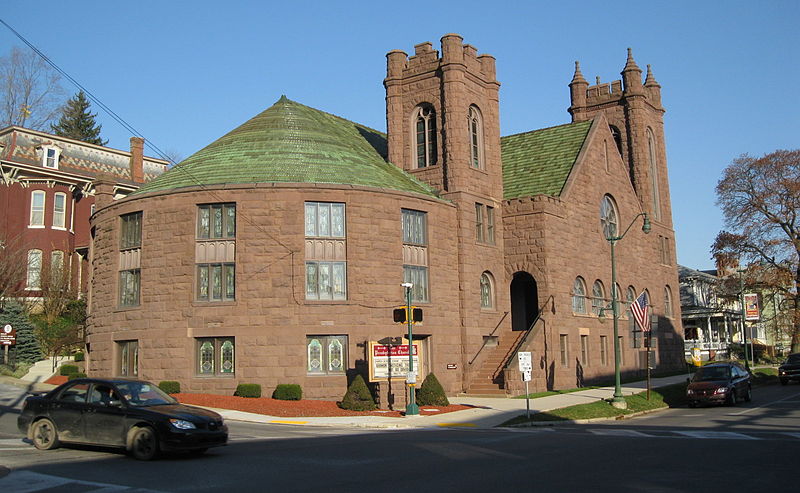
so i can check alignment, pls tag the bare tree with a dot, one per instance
(13, 266)
(760, 200)
(60, 316)
(30, 90)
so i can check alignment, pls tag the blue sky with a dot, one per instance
(184, 73)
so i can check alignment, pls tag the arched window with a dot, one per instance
(425, 131)
(598, 297)
(651, 154)
(579, 296)
(487, 290)
(668, 302)
(617, 135)
(608, 217)
(630, 295)
(34, 278)
(475, 125)
(56, 266)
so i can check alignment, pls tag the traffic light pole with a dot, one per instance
(411, 408)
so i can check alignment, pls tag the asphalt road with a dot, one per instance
(751, 447)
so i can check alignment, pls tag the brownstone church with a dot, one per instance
(276, 254)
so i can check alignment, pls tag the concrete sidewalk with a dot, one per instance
(487, 413)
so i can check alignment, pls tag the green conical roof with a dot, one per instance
(539, 162)
(292, 143)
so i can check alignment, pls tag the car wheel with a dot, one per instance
(144, 445)
(44, 435)
(692, 404)
(731, 398)
(784, 381)
(749, 395)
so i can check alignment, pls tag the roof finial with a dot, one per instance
(578, 76)
(630, 64)
(597, 79)
(650, 80)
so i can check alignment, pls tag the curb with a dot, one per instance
(585, 421)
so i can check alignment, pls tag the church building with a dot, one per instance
(277, 253)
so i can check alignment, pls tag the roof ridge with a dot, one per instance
(547, 128)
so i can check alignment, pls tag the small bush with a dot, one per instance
(431, 392)
(170, 386)
(248, 390)
(288, 392)
(79, 357)
(358, 396)
(73, 376)
(20, 371)
(68, 370)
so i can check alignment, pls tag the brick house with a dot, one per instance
(47, 196)
(276, 253)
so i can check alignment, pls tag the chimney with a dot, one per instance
(137, 159)
(104, 185)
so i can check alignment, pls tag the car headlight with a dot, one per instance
(689, 392)
(182, 424)
(721, 390)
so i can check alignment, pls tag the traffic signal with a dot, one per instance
(399, 315)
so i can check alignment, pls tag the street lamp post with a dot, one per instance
(744, 323)
(411, 407)
(619, 401)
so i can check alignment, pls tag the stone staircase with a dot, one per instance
(489, 379)
(42, 370)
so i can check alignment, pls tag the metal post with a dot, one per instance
(618, 401)
(411, 408)
(744, 324)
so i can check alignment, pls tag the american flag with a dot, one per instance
(639, 308)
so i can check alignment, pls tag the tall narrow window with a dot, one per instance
(579, 296)
(479, 222)
(621, 341)
(215, 255)
(128, 352)
(425, 129)
(563, 346)
(59, 210)
(326, 251)
(415, 253)
(604, 350)
(130, 258)
(630, 295)
(475, 123)
(617, 135)
(608, 217)
(56, 269)
(37, 208)
(598, 297)
(584, 350)
(651, 154)
(668, 302)
(487, 291)
(490, 224)
(34, 277)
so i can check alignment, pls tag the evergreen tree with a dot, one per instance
(431, 393)
(27, 349)
(77, 122)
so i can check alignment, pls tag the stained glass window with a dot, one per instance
(327, 354)
(216, 356)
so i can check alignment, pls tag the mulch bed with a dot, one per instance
(304, 408)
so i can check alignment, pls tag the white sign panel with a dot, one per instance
(525, 361)
(526, 376)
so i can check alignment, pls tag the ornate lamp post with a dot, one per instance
(618, 401)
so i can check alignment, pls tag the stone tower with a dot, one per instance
(636, 120)
(443, 126)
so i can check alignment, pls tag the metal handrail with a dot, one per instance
(528, 332)
(505, 314)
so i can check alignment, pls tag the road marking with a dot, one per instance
(453, 425)
(796, 435)
(30, 482)
(629, 433)
(727, 435)
(287, 422)
(765, 405)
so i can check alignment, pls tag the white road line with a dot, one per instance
(796, 435)
(727, 435)
(767, 404)
(30, 482)
(621, 433)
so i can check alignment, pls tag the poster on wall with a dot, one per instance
(391, 361)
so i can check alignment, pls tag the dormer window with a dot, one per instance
(50, 155)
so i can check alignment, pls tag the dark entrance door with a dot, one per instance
(524, 301)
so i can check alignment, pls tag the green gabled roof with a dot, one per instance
(292, 143)
(539, 162)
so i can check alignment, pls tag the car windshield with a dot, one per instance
(709, 373)
(142, 394)
(793, 359)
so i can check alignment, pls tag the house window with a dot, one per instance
(584, 350)
(326, 280)
(425, 129)
(621, 342)
(415, 253)
(128, 352)
(34, 277)
(56, 269)
(579, 296)
(216, 282)
(484, 223)
(475, 125)
(651, 154)
(630, 295)
(216, 356)
(487, 291)
(327, 354)
(50, 157)
(604, 350)
(130, 258)
(216, 221)
(563, 349)
(59, 210)
(37, 208)
(668, 303)
(598, 297)
(608, 217)
(325, 220)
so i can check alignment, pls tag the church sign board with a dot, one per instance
(391, 361)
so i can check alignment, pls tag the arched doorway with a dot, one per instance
(524, 301)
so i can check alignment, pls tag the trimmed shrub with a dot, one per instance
(248, 390)
(73, 376)
(288, 392)
(68, 370)
(170, 386)
(431, 392)
(79, 357)
(358, 396)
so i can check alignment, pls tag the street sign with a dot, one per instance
(8, 336)
(526, 376)
(525, 363)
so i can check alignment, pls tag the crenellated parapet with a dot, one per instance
(426, 59)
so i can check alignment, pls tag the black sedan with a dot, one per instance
(790, 369)
(129, 414)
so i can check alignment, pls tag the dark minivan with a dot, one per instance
(790, 369)
(719, 383)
